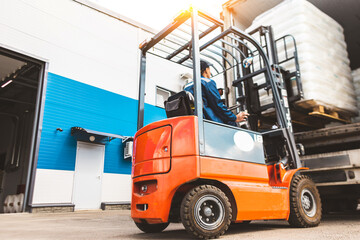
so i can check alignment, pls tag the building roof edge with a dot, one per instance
(115, 15)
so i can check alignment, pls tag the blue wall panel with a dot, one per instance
(70, 103)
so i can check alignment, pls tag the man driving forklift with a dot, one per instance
(214, 109)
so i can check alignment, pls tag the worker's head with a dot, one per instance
(221, 91)
(205, 69)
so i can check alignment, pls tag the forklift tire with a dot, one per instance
(305, 203)
(151, 228)
(206, 212)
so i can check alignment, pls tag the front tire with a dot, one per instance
(206, 212)
(305, 203)
(152, 228)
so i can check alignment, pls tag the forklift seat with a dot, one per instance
(179, 104)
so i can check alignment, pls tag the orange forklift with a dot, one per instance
(207, 174)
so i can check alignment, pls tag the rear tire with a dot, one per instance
(206, 212)
(151, 228)
(305, 203)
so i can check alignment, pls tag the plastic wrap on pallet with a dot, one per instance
(323, 58)
(356, 77)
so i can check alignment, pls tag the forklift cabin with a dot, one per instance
(207, 174)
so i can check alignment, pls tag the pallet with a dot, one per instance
(300, 120)
(326, 112)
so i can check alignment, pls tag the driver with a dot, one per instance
(214, 108)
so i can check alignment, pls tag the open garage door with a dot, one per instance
(21, 93)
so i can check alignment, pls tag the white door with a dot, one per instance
(88, 175)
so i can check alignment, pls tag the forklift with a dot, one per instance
(208, 175)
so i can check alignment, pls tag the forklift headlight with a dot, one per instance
(144, 188)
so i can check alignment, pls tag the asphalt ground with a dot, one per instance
(118, 225)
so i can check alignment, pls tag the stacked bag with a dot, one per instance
(13, 203)
(324, 63)
(356, 77)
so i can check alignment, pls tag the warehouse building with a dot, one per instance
(69, 72)
(68, 99)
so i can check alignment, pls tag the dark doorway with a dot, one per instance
(21, 91)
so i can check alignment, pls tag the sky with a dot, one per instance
(159, 13)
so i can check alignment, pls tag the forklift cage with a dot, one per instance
(227, 50)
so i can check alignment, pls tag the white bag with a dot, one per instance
(324, 63)
(356, 77)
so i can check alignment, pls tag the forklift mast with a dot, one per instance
(252, 82)
(227, 49)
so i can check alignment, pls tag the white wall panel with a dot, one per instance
(53, 186)
(116, 188)
(164, 74)
(82, 44)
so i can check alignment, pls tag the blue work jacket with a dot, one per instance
(213, 107)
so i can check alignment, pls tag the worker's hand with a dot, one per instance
(241, 116)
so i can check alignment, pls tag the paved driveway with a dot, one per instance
(118, 225)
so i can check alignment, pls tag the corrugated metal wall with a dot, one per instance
(70, 103)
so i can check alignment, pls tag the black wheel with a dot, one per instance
(151, 228)
(305, 203)
(206, 212)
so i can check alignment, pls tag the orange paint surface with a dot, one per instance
(184, 166)
(156, 142)
(152, 167)
(249, 183)
(260, 191)
(184, 169)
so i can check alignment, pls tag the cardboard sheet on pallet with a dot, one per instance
(324, 63)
